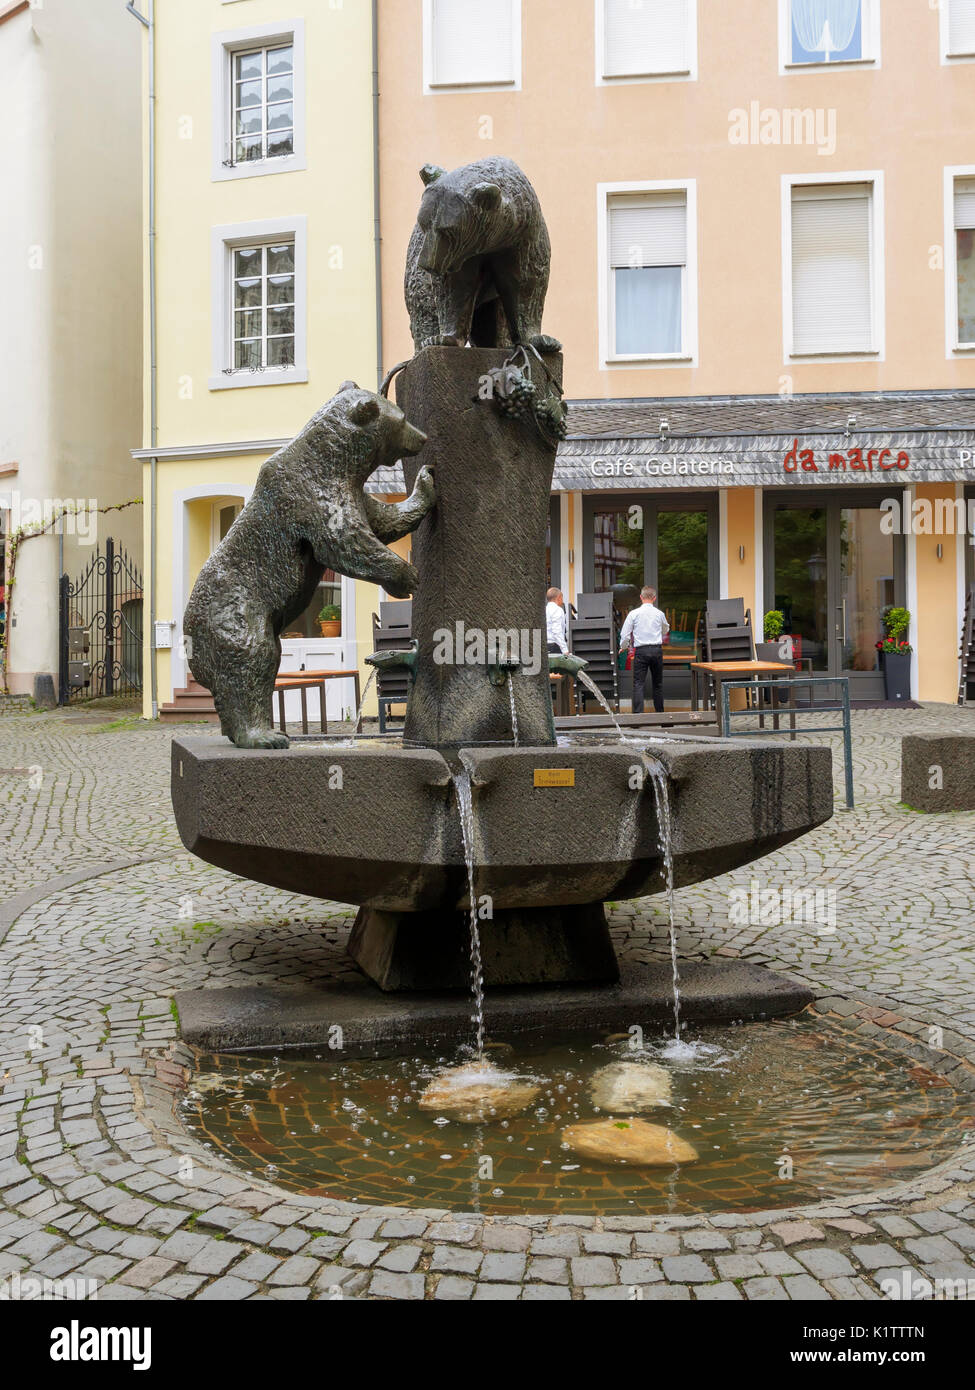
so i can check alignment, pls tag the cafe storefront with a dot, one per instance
(827, 508)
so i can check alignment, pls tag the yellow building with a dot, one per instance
(261, 285)
(762, 216)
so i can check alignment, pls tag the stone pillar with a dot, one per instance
(480, 553)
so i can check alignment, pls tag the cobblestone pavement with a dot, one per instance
(106, 917)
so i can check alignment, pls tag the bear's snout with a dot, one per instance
(412, 440)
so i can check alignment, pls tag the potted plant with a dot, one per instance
(775, 647)
(330, 621)
(894, 653)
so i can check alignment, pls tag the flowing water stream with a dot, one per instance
(357, 726)
(594, 689)
(514, 712)
(658, 776)
(465, 805)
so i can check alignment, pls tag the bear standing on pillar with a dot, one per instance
(478, 262)
(309, 512)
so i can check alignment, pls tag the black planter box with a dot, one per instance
(897, 675)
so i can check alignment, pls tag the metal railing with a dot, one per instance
(775, 707)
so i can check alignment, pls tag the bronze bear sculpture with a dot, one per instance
(478, 262)
(309, 512)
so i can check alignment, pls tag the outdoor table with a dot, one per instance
(721, 671)
(308, 680)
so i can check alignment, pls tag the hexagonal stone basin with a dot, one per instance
(781, 1113)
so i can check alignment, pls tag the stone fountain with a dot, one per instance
(559, 829)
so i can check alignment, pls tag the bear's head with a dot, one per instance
(458, 222)
(392, 436)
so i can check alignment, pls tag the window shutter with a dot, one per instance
(473, 42)
(832, 297)
(961, 26)
(642, 37)
(964, 204)
(648, 230)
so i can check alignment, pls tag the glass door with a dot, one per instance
(832, 571)
(800, 580)
(864, 588)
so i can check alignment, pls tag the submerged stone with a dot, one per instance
(475, 1095)
(633, 1142)
(623, 1088)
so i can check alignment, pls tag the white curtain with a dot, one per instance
(648, 309)
(825, 26)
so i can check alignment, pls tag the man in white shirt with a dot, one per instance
(555, 622)
(648, 627)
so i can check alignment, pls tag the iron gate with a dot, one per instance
(101, 628)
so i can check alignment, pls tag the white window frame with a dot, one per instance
(949, 59)
(876, 353)
(223, 47)
(609, 359)
(871, 29)
(223, 242)
(953, 348)
(431, 88)
(688, 74)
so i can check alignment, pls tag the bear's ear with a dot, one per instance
(430, 173)
(364, 412)
(487, 196)
(349, 386)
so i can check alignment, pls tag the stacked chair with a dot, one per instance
(592, 636)
(728, 632)
(392, 631)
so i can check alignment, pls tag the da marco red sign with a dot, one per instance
(859, 460)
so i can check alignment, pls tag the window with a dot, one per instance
(258, 94)
(472, 44)
(964, 269)
(264, 306)
(958, 21)
(835, 269)
(647, 243)
(815, 32)
(259, 294)
(263, 104)
(645, 38)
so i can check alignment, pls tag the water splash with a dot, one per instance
(661, 796)
(514, 712)
(465, 805)
(357, 726)
(594, 690)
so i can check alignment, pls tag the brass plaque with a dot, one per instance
(555, 777)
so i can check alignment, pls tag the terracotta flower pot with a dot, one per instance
(331, 628)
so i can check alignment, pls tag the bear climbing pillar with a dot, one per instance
(480, 555)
